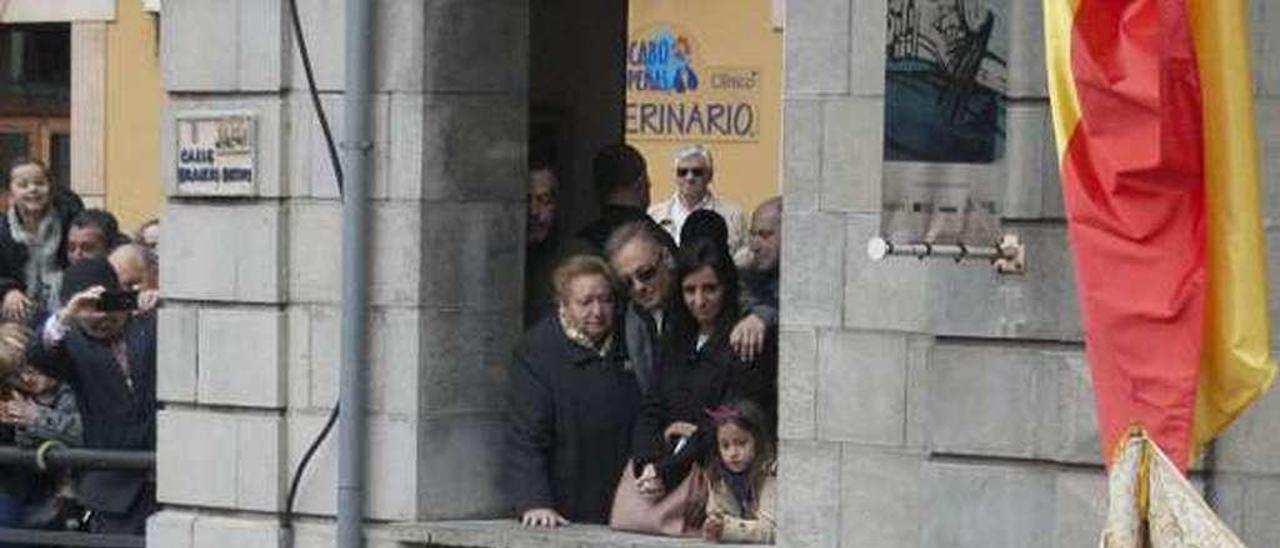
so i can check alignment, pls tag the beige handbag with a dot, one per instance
(679, 513)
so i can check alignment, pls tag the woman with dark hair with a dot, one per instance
(705, 224)
(33, 240)
(700, 370)
(574, 399)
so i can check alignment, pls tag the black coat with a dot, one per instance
(115, 415)
(13, 255)
(540, 261)
(572, 413)
(592, 238)
(694, 380)
(15, 481)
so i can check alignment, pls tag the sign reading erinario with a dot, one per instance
(215, 155)
(674, 94)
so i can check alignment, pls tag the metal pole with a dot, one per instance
(72, 457)
(1009, 255)
(358, 145)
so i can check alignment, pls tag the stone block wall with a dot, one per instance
(923, 404)
(249, 349)
(936, 404)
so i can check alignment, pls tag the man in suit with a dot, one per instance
(646, 266)
(542, 244)
(622, 185)
(109, 357)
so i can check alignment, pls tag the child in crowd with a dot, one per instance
(743, 484)
(41, 409)
(14, 481)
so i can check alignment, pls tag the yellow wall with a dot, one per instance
(727, 34)
(135, 99)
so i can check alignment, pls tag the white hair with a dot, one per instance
(694, 151)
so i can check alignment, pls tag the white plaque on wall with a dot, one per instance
(215, 154)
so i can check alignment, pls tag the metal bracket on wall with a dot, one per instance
(1008, 256)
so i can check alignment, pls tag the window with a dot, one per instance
(35, 96)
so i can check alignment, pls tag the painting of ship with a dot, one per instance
(945, 81)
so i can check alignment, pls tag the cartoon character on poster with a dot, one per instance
(945, 80)
(667, 61)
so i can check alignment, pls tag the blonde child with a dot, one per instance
(39, 409)
(37, 406)
(743, 483)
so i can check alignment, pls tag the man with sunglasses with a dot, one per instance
(694, 171)
(645, 266)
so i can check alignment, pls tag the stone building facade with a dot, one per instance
(923, 403)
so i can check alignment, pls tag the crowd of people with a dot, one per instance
(77, 354)
(651, 352)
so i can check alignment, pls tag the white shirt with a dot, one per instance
(671, 213)
(53, 331)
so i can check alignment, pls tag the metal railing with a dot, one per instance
(1008, 256)
(58, 457)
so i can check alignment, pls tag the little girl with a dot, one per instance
(740, 507)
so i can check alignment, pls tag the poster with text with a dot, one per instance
(706, 72)
(945, 119)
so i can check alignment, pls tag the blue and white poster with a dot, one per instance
(945, 120)
(945, 77)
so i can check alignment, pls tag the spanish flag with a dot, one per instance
(1153, 115)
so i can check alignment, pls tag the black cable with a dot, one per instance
(315, 94)
(286, 519)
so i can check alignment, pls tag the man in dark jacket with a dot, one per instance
(760, 282)
(646, 267)
(622, 185)
(93, 233)
(110, 360)
(542, 244)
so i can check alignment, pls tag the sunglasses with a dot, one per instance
(691, 171)
(644, 274)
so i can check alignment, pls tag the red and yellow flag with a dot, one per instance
(1153, 115)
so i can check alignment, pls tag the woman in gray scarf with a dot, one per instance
(32, 240)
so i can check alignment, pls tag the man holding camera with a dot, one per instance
(108, 354)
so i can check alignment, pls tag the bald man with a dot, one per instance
(760, 280)
(136, 267)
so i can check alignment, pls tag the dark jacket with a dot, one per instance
(591, 238)
(643, 344)
(572, 413)
(693, 380)
(760, 294)
(13, 255)
(115, 415)
(15, 481)
(540, 261)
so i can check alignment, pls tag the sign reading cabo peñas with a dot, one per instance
(215, 155)
(672, 95)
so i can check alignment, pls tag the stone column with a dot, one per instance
(249, 330)
(923, 403)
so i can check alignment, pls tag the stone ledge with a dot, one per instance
(507, 533)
